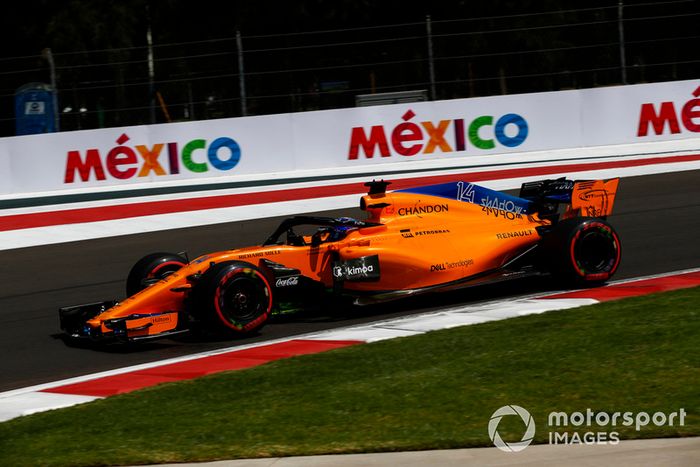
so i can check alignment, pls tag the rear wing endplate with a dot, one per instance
(594, 198)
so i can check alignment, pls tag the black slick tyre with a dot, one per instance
(232, 297)
(582, 251)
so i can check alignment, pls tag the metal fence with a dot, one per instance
(288, 72)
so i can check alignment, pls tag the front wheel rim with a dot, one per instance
(242, 299)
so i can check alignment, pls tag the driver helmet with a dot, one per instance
(340, 231)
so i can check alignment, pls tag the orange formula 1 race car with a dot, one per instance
(425, 239)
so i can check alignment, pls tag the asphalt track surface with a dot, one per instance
(656, 216)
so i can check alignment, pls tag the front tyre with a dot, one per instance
(582, 251)
(232, 297)
(152, 268)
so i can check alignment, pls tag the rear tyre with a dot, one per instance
(233, 297)
(582, 251)
(152, 268)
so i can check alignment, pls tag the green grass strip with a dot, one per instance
(432, 391)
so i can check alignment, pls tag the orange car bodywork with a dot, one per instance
(420, 242)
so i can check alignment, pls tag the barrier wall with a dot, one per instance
(346, 138)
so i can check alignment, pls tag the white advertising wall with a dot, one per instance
(613, 115)
(327, 136)
(42, 162)
(5, 173)
(253, 147)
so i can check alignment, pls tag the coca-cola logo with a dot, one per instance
(287, 282)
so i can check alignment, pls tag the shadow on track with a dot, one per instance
(334, 314)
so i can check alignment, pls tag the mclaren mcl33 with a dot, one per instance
(425, 239)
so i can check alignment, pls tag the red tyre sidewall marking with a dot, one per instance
(618, 249)
(602, 275)
(155, 270)
(219, 291)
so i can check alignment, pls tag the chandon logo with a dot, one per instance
(418, 209)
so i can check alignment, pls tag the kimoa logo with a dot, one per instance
(350, 271)
(524, 416)
(409, 138)
(124, 162)
(355, 270)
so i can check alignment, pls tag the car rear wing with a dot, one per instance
(551, 199)
(586, 198)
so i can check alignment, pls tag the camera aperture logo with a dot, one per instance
(524, 416)
(597, 426)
